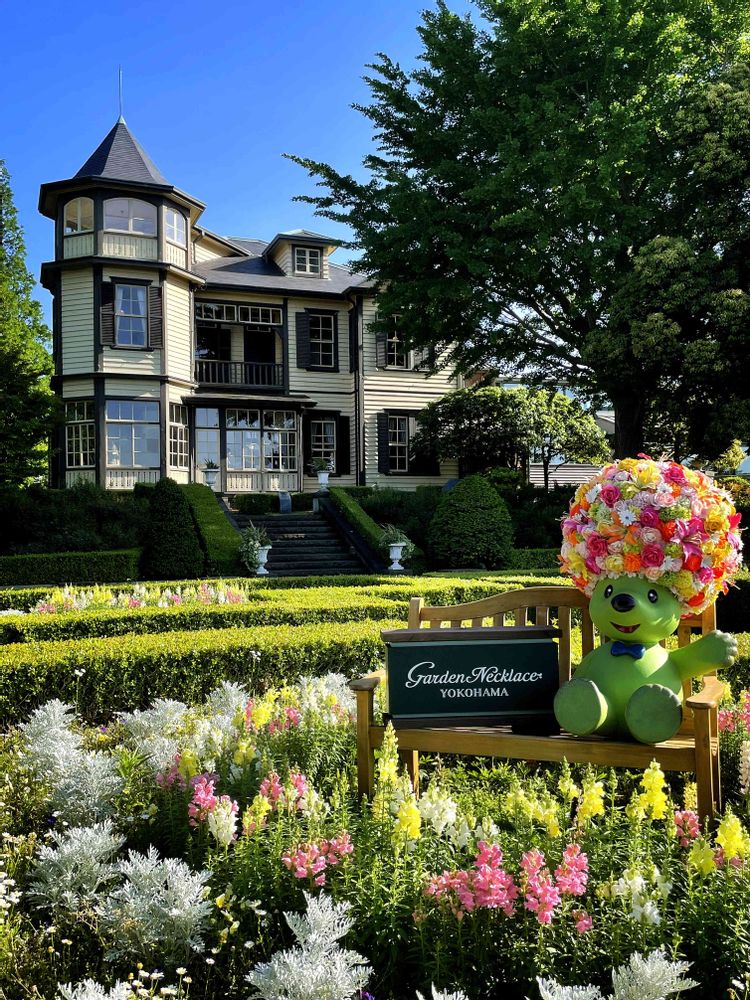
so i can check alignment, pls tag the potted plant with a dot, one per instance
(254, 548)
(322, 468)
(398, 545)
(210, 473)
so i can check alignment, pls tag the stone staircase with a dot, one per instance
(303, 544)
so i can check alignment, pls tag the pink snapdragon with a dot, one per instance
(203, 801)
(289, 795)
(572, 874)
(542, 895)
(311, 860)
(488, 886)
(687, 826)
(583, 921)
(291, 720)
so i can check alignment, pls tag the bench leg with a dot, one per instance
(365, 750)
(410, 760)
(705, 767)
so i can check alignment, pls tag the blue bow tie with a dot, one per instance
(634, 649)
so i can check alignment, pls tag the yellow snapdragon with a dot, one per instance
(409, 819)
(592, 801)
(701, 857)
(731, 836)
(653, 800)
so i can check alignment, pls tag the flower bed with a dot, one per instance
(180, 836)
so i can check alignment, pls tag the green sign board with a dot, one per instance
(496, 676)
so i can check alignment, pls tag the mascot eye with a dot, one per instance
(608, 590)
(653, 596)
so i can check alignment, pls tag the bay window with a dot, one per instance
(79, 216)
(80, 435)
(175, 226)
(243, 440)
(130, 215)
(207, 436)
(133, 438)
(179, 452)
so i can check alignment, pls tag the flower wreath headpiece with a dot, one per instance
(658, 520)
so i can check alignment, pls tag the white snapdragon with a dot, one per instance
(745, 767)
(222, 822)
(437, 808)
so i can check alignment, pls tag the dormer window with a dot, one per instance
(129, 215)
(175, 227)
(307, 260)
(79, 216)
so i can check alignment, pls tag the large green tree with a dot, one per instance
(26, 401)
(486, 427)
(524, 176)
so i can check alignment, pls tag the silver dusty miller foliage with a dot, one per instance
(89, 990)
(318, 968)
(73, 873)
(83, 784)
(651, 978)
(159, 912)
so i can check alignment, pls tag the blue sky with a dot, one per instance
(214, 92)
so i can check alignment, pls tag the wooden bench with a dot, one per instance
(695, 748)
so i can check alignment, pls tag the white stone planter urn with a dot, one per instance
(210, 476)
(262, 560)
(396, 551)
(323, 481)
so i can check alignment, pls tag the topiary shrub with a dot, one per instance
(256, 503)
(171, 548)
(471, 527)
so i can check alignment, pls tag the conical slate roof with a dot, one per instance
(121, 157)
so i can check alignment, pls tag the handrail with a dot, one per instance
(248, 373)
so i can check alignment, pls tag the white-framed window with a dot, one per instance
(131, 316)
(130, 215)
(80, 435)
(396, 354)
(175, 226)
(79, 216)
(259, 315)
(243, 440)
(280, 449)
(323, 441)
(307, 260)
(217, 311)
(398, 443)
(133, 437)
(179, 450)
(206, 436)
(322, 341)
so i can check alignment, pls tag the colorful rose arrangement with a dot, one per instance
(659, 520)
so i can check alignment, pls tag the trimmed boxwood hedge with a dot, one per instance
(306, 608)
(357, 518)
(70, 567)
(219, 541)
(531, 559)
(102, 677)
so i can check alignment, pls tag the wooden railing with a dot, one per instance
(247, 373)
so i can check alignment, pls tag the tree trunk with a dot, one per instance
(629, 432)
(545, 467)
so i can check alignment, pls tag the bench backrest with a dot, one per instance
(554, 602)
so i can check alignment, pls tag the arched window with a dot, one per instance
(175, 227)
(129, 215)
(79, 216)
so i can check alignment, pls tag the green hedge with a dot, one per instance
(219, 540)
(306, 608)
(102, 677)
(357, 518)
(70, 567)
(531, 559)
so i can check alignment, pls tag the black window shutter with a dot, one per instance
(353, 358)
(155, 321)
(335, 342)
(381, 349)
(107, 314)
(307, 444)
(302, 326)
(384, 459)
(343, 446)
(420, 463)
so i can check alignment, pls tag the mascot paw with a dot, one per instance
(580, 707)
(719, 648)
(653, 714)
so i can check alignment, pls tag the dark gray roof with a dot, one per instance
(119, 156)
(256, 272)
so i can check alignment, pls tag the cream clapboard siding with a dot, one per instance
(131, 389)
(389, 389)
(77, 318)
(178, 329)
(282, 257)
(207, 249)
(78, 388)
(117, 359)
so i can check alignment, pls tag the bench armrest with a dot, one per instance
(709, 696)
(367, 683)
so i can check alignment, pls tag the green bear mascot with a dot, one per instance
(649, 542)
